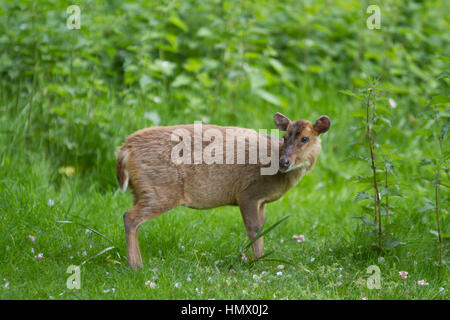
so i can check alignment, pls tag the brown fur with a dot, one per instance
(159, 185)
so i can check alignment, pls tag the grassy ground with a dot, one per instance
(196, 254)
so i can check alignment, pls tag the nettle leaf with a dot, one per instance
(366, 221)
(205, 33)
(396, 157)
(384, 212)
(369, 179)
(278, 66)
(424, 132)
(269, 97)
(389, 166)
(358, 157)
(358, 114)
(390, 192)
(386, 121)
(443, 112)
(181, 80)
(425, 161)
(391, 243)
(427, 206)
(178, 22)
(257, 78)
(145, 80)
(351, 94)
(381, 109)
(440, 100)
(434, 232)
(444, 130)
(368, 209)
(443, 75)
(388, 148)
(363, 196)
(439, 183)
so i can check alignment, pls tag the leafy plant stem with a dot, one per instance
(387, 197)
(436, 187)
(371, 140)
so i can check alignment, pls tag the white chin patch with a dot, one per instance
(302, 165)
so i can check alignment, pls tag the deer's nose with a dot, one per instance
(284, 163)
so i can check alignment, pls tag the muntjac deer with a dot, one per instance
(162, 173)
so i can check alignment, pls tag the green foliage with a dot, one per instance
(158, 58)
(439, 106)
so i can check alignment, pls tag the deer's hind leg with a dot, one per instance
(147, 207)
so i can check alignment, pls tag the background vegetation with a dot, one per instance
(68, 98)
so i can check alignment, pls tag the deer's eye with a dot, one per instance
(305, 139)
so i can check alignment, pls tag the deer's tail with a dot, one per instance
(121, 169)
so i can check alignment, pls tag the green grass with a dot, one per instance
(205, 245)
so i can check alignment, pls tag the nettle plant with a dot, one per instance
(380, 185)
(435, 164)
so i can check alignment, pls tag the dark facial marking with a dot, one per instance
(292, 134)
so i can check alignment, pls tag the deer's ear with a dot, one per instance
(281, 121)
(322, 124)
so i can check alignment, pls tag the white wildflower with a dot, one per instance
(422, 283)
(299, 238)
(392, 103)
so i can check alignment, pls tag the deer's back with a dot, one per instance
(153, 172)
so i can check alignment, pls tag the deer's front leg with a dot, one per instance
(253, 214)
